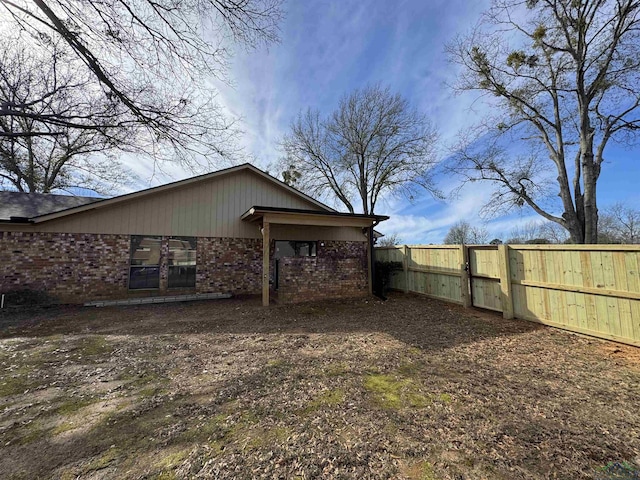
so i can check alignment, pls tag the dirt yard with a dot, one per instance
(408, 388)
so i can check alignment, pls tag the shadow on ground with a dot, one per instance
(427, 324)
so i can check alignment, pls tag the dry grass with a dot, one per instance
(410, 388)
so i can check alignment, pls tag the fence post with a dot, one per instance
(405, 267)
(464, 278)
(505, 281)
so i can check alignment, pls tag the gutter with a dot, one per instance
(23, 220)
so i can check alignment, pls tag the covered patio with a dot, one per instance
(358, 228)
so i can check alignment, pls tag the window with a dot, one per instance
(295, 249)
(292, 248)
(182, 262)
(144, 264)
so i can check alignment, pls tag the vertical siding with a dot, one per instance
(211, 208)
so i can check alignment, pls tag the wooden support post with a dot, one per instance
(265, 263)
(505, 282)
(405, 266)
(370, 259)
(465, 295)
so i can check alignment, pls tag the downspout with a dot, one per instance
(372, 266)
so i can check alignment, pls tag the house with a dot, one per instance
(235, 231)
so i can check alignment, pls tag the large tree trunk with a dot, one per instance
(590, 205)
(575, 217)
(589, 183)
(575, 228)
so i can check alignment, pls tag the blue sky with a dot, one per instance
(328, 48)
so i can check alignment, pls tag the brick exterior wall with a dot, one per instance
(338, 271)
(229, 265)
(70, 267)
(76, 268)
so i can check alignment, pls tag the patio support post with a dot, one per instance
(370, 259)
(265, 263)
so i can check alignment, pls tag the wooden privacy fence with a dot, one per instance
(590, 289)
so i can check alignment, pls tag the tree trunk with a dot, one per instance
(575, 227)
(590, 208)
(589, 199)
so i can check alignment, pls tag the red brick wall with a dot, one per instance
(70, 267)
(338, 271)
(229, 265)
(76, 268)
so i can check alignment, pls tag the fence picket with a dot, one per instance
(590, 289)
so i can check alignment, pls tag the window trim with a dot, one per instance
(132, 266)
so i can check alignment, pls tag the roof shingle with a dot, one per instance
(28, 205)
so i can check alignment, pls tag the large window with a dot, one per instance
(182, 262)
(144, 269)
(295, 249)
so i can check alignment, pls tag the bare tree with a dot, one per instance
(554, 233)
(463, 232)
(565, 79)
(152, 61)
(31, 160)
(389, 241)
(537, 232)
(530, 232)
(372, 144)
(620, 224)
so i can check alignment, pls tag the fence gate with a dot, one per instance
(484, 276)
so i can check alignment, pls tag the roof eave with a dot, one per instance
(307, 217)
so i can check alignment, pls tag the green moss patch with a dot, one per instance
(15, 385)
(103, 461)
(94, 346)
(396, 392)
(63, 427)
(326, 399)
(72, 405)
(419, 471)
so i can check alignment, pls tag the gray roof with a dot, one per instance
(29, 205)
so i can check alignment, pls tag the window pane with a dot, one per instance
(302, 249)
(182, 276)
(145, 250)
(144, 277)
(182, 262)
(182, 251)
(284, 249)
(295, 249)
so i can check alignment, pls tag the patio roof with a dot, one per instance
(295, 216)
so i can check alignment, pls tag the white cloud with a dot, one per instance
(433, 222)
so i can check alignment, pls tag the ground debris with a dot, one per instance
(409, 389)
